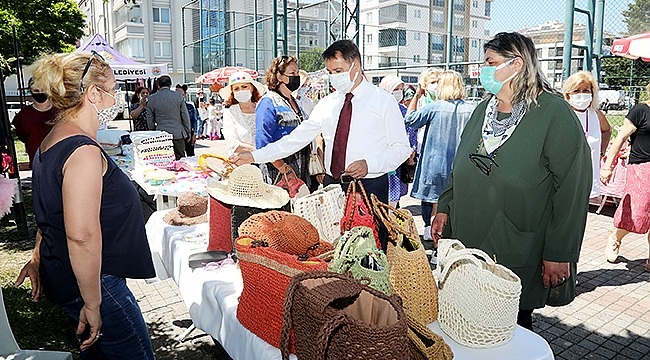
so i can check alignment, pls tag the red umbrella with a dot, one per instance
(633, 47)
(222, 75)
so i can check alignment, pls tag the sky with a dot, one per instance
(511, 15)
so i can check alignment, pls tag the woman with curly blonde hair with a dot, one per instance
(277, 114)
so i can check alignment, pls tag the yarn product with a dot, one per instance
(478, 299)
(410, 274)
(358, 210)
(357, 253)
(266, 273)
(424, 344)
(335, 317)
(220, 235)
(323, 209)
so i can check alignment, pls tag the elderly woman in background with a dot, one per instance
(241, 96)
(443, 121)
(91, 233)
(277, 114)
(396, 187)
(519, 188)
(633, 213)
(581, 91)
(428, 81)
(138, 109)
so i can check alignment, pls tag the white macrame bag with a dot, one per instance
(478, 300)
(323, 209)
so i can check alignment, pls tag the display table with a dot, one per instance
(211, 298)
(185, 181)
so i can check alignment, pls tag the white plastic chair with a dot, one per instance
(9, 349)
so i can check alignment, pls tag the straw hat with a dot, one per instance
(192, 209)
(285, 232)
(246, 187)
(240, 77)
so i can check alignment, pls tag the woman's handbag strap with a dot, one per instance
(464, 254)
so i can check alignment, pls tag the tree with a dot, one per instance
(637, 17)
(312, 60)
(617, 72)
(42, 26)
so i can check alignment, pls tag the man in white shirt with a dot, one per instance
(373, 135)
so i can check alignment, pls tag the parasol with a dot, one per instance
(633, 47)
(221, 75)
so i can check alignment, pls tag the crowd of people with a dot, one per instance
(512, 176)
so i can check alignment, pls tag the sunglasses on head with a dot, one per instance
(93, 53)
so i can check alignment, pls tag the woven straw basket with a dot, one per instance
(266, 273)
(410, 274)
(424, 344)
(478, 299)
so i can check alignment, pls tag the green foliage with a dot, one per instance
(312, 60)
(42, 26)
(617, 72)
(637, 17)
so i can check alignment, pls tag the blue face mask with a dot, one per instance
(489, 82)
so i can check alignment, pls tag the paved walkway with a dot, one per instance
(610, 318)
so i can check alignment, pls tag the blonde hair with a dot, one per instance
(573, 81)
(529, 81)
(59, 76)
(429, 75)
(450, 86)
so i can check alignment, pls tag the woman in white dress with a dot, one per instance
(581, 91)
(240, 99)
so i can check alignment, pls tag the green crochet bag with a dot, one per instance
(357, 253)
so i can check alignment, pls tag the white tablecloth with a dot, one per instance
(212, 296)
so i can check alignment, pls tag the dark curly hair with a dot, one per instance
(278, 66)
(136, 95)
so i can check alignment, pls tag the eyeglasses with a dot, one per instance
(93, 53)
(483, 162)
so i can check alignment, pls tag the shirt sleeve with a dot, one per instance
(302, 135)
(266, 122)
(151, 124)
(418, 118)
(19, 124)
(229, 130)
(568, 159)
(636, 116)
(398, 144)
(185, 118)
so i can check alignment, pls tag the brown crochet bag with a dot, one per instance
(424, 344)
(336, 317)
(410, 274)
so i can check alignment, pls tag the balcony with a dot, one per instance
(392, 37)
(391, 64)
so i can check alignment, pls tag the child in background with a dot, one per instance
(215, 120)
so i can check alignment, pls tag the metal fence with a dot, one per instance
(406, 37)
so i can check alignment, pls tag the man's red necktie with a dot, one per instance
(341, 138)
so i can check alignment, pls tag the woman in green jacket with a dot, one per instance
(519, 188)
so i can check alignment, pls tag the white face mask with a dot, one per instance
(108, 114)
(580, 101)
(433, 89)
(399, 95)
(243, 96)
(341, 81)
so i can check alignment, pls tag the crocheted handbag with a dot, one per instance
(410, 274)
(323, 209)
(424, 344)
(357, 253)
(335, 317)
(358, 210)
(291, 183)
(478, 299)
(219, 235)
(266, 273)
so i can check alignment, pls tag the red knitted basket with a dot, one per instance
(220, 235)
(267, 273)
(358, 211)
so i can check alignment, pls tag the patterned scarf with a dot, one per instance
(495, 131)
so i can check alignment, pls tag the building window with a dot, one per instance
(132, 47)
(369, 39)
(416, 58)
(474, 44)
(437, 42)
(474, 23)
(416, 36)
(459, 21)
(392, 13)
(369, 17)
(475, 3)
(417, 14)
(162, 48)
(437, 19)
(161, 15)
(392, 37)
(368, 60)
(488, 4)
